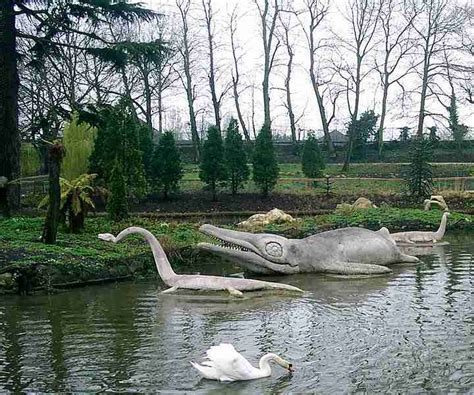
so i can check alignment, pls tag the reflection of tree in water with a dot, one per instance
(57, 347)
(11, 329)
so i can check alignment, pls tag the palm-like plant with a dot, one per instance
(76, 200)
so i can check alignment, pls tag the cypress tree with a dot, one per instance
(235, 157)
(117, 206)
(420, 175)
(213, 169)
(312, 160)
(167, 169)
(118, 136)
(265, 166)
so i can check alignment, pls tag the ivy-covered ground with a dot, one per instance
(26, 264)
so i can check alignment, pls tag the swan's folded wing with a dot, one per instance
(230, 363)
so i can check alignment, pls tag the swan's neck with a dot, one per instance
(264, 364)
(162, 264)
(442, 227)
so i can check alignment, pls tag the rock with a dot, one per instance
(436, 199)
(363, 202)
(274, 216)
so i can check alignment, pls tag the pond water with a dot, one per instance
(407, 332)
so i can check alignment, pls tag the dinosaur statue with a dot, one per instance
(234, 286)
(341, 251)
(422, 236)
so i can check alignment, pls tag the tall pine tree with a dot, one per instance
(212, 168)
(235, 157)
(265, 166)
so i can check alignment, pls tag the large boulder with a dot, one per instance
(274, 216)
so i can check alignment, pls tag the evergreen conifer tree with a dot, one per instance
(265, 166)
(117, 206)
(212, 168)
(235, 157)
(420, 175)
(118, 136)
(167, 169)
(312, 160)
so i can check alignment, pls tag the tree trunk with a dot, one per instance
(56, 153)
(9, 134)
(324, 121)
(239, 114)
(382, 116)
(289, 104)
(424, 86)
(355, 114)
(319, 99)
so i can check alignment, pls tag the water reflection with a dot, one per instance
(407, 332)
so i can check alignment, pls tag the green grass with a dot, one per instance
(382, 170)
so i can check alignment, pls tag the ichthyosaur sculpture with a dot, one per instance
(341, 251)
(234, 286)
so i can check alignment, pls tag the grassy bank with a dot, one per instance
(25, 263)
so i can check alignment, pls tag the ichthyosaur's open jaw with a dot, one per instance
(261, 253)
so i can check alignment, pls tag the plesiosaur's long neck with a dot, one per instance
(162, 264)
(442, 227)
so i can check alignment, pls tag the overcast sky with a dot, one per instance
(248, 36)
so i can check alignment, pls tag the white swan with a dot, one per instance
(226, 364)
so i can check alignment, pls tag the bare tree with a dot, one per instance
(397, 45)
(268, 19)
(316, 11)
(236, 73)
(212, 74)
(437, 21)
(186, 49)
(286, 24)
(362, 16)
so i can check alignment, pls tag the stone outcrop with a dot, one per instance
(360, 203)
(274, 216)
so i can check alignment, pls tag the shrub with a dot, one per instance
(312, 160)
(117, 206)
(235, 157)
(265, 166)
(78, 141)
(420, 176)
(167, 169)
(212, 168)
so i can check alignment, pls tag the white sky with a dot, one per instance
(249, 40)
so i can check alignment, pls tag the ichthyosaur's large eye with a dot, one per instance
(274, 249)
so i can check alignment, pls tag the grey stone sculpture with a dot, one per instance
(234, 286)
(422, 236)
(341, 251)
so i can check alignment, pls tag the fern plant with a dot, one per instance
(76, 200)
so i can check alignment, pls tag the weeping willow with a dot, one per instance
(78, 140)
(30, 160)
